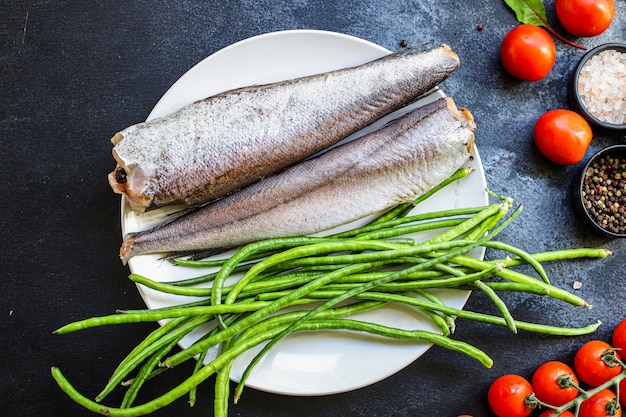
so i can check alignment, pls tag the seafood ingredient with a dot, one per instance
(384, 168)
(215, 146)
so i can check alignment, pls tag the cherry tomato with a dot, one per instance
(545, 383)
(548, 413)
(603, 404)
(622, 391)
(507, 396)
(589, 365)
(619, 336)
(562, 136)
(585, 17)
(528, 52)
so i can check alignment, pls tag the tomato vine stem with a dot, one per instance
(585, 395)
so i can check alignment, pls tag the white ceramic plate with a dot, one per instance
(302, 364)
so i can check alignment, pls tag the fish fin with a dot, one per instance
(196, 255)
(407, 50)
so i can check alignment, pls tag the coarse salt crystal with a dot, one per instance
(602, 86)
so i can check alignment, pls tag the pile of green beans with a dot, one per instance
(326, 281)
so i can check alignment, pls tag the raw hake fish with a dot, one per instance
(390, 166)
(217, 145)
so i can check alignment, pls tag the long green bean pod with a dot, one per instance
(144, 373)
(170, 339)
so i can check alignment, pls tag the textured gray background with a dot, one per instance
(75, 72)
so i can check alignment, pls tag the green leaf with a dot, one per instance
(529, 11)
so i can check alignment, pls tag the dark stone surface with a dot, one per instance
(73, 73)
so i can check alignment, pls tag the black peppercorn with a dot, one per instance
(604, 193)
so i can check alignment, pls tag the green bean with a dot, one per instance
(416, 275)
(523, 255)
(230, 354)
(199, 303)
(485, 318)
(442, 321)
(386, 233)
(173, 336)
(444, 282)
(202, 279)
(559, 255)
(470, 224)
(169, 288)
(487, 225)
(512, 286)
(518, 277)
(199, 263)
(222, 385)
(144, 373)
(153, 316)
(197, 366)
(500, 305)
(330, 262)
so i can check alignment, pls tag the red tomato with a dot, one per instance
(547, 386)
(508, 395)
(548, 413)
(622, 391)
(585, 17)
(619, 336)
(589, 365)
(528, 52)
(563, 136)
(603, 404)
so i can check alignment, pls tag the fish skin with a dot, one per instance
(215, 146)
(390, 166)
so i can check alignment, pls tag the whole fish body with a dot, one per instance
(390, 166)
(214, 146)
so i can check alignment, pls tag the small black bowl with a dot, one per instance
(586, 191)
(575, 97)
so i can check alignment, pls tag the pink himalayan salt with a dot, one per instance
(602, 86)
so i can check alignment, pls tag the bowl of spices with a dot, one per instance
(598, 86)
(600, 191)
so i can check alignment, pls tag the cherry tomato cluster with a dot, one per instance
(528, 52)
(594, 387)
